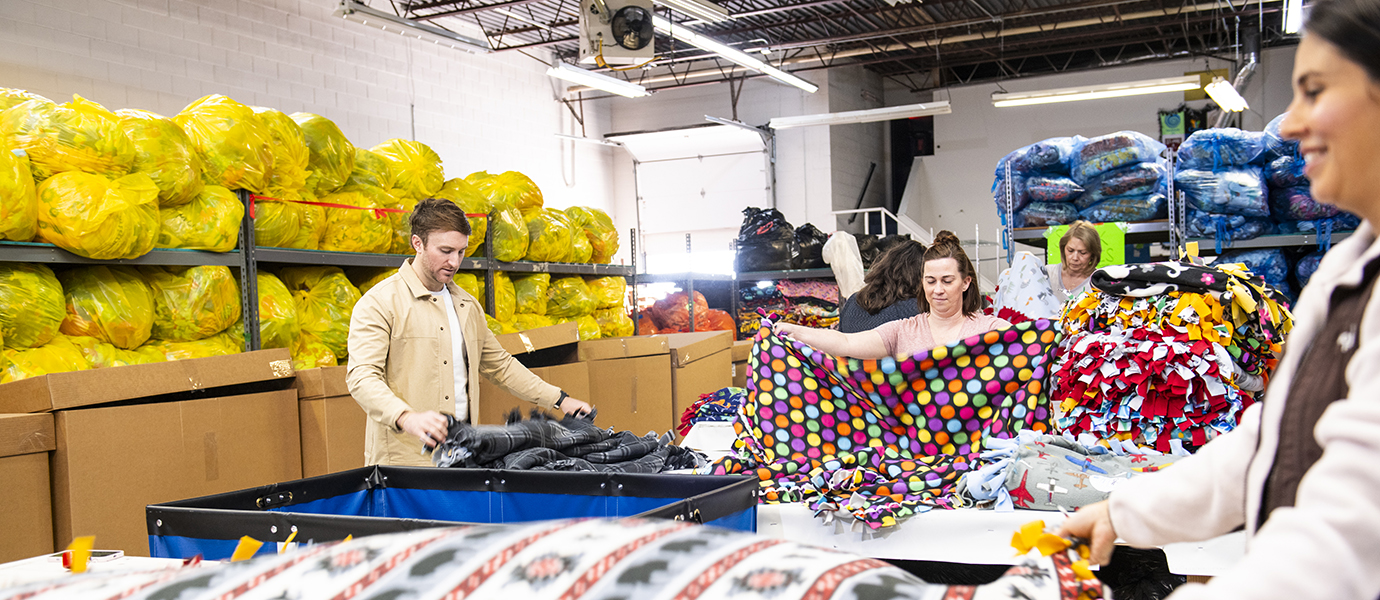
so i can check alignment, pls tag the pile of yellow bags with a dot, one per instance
(111, 304)
(78, 136)
(193, 303)
(164, 153)
(325, 299)
(211, 222)
(235, 142)
(18, 197)
(331, 155)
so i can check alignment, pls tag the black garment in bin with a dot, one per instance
(376, 500)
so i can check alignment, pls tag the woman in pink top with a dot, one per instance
(949, 311)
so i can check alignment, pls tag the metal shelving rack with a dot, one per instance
(1208, 245)
(247, 257)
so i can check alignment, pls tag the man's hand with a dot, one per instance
(571, 406)
(429, 426)
(1093, 523)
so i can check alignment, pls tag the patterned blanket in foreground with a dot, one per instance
(589, 559)
(884, 439)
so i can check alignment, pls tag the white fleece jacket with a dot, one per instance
(1327, 546)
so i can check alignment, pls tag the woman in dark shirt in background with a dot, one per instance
(890, 290)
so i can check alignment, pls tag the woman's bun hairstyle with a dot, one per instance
(946, 245)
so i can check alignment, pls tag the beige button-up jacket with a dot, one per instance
(400, 356)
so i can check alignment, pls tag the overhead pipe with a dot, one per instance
(1243, 77)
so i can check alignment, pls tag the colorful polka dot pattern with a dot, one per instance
(898, 431)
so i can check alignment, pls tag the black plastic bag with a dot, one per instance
(867, 248)
(809, 248)
(765, 241)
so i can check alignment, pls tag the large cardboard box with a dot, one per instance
(630, 382)
(551, 354)
(701, 363)
(740, 351)
(26, 519)
(211, 377)
(111, 462)
(332, 423)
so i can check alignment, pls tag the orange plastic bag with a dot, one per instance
(673, 311)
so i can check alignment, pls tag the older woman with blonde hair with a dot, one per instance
(1079, 252)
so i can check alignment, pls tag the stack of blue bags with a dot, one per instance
(1116, 177)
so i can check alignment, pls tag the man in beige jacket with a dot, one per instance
(418, 344)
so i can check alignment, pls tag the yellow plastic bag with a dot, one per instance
(282, 221)
(10, 97)
(325, 298)
(164, 153)
(599, 230)
(193, 303)
(372, 169)
(476, 176)
(358, 229)
(216, 345)
(365, 278)
(78, 136)
(289, 147)
(548, 236)
(505, 297)
(531, 292)
(609, 292)
(569, 297)
(89, 215)
(101, 355)
(310, 353)
(401, 224)
(525, 321)
(235, 143)
(588, 327)
(332, 155)
(494, 326)
(113, 304)
(510, 234)
(312, 223)
(32, 306)
(580, 250)
(278, 324)
(613, 322)
(210, 222)
(57, 356)
(471, 283)
(470, 200)
(510, 188)
(416, 165)
(18, 197)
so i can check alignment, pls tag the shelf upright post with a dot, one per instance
(1177, 226)
(1009, 223)
(690, 285)
(249, 275)
(632, 252)
(489, 265)
(735, 287)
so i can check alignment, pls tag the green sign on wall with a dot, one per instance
(1113, 236)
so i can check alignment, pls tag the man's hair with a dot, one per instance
(438, 214)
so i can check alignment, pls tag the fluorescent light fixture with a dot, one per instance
(1094, 92)
(863, 116)
(353, 10)
(1293, 16)
(733, 55)
(600, 81)
(1225, 95)
(699, 9)
(576, 138)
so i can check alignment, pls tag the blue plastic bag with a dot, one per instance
(1101, 154)
(1307, 266)
(1046, 188)
(1277, 145)
(1019, 198)
(1286, 171)
(1297, 204)
(1225, 228)
(1231, 191)
(1136, 180)
(1050, 157)
(1213, 149)
(1269, 263)
(1129, 209)
(1045, 214)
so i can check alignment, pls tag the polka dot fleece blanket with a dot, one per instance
(880, 440)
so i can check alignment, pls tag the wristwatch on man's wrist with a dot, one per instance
(561, 399)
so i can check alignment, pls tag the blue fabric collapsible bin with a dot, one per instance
(376, 500)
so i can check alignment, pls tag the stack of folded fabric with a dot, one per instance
(719, 406)
(880, 440)
(1166, 354)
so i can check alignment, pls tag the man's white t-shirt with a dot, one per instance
(457, 361)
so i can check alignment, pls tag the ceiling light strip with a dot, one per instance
(699, 9)
(353, 10)
(1094, 92)
(864, 116)
(599, 81)
(733, 55)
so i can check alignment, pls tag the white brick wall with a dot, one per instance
(495, 112)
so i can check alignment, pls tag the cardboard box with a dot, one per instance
(630, 382)
(701, 363)
(332, 423)
(740, 351)
(111, 462)
(26, 521)
(542, 337)
(495, 403)
(167, 381)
